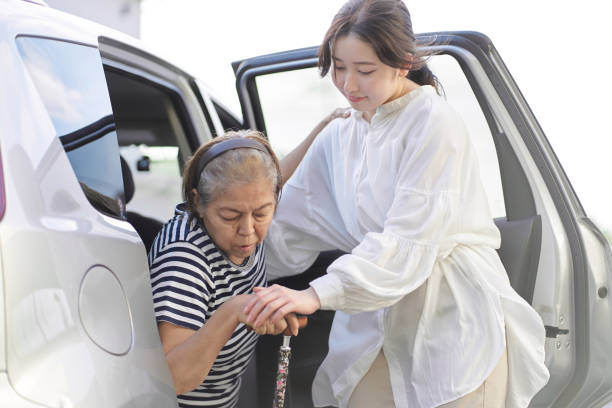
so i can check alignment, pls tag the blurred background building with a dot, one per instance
(122, 15)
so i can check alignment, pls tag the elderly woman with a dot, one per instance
(205, 262)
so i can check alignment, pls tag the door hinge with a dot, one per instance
(552, 332)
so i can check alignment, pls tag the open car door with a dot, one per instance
(556, 258)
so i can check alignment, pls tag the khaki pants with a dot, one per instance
(374, 389)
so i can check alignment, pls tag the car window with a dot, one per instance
(153, 139)
(459, 93)
(157, 179)
(70, 80)
(293, 102)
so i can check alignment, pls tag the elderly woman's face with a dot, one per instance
(237, 219)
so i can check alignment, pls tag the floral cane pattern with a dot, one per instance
(281, 376)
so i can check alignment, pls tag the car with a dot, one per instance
(94, 131)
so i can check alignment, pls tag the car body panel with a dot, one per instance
(59, 350)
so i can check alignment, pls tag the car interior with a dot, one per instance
(146, 227)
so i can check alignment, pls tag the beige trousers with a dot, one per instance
(374, 389)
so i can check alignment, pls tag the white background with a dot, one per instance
(557, 51)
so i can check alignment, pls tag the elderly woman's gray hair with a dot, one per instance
(232, 167)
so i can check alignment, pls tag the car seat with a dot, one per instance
(146, 227)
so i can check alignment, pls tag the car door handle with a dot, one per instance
(552, 332)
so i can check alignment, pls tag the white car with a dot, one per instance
(94, 129)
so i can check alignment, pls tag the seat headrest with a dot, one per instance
(128, 180)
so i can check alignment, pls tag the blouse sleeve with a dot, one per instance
(387, 265)
(181, 285)
(300, 231)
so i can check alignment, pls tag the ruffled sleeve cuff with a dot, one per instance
(330, 290)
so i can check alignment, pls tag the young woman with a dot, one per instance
(205, 263)
(426, 316)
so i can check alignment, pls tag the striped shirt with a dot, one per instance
(191, 278)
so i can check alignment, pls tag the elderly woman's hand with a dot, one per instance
(289, 324)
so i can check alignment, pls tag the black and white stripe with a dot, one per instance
(191, 278)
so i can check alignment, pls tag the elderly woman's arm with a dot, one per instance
(290, 162)
(191, 353)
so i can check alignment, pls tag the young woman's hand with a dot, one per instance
(275, 302)
(339, 113)
(289, 324)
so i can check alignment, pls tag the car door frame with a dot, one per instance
(133, 61)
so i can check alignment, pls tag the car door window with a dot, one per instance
(77, 102)
(161, 121)
(153, 138)
(293, 102)
(458, 92)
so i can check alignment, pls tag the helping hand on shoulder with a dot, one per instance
(340, 113)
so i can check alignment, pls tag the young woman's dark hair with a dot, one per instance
(387, 27)
(230, 167)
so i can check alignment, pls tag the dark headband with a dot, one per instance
(224, 146)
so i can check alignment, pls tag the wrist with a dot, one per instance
(235, 308)
(324, 122)
(313, 298)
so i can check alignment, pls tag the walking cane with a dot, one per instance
(283, 366)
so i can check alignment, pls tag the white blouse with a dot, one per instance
(422, 280)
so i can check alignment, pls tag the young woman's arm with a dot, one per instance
(191, 353)
(290, 162)
(387, 265)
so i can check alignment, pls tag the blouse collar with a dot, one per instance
(386, 109)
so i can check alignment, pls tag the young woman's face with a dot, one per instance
(237, 219)
(362, 78)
